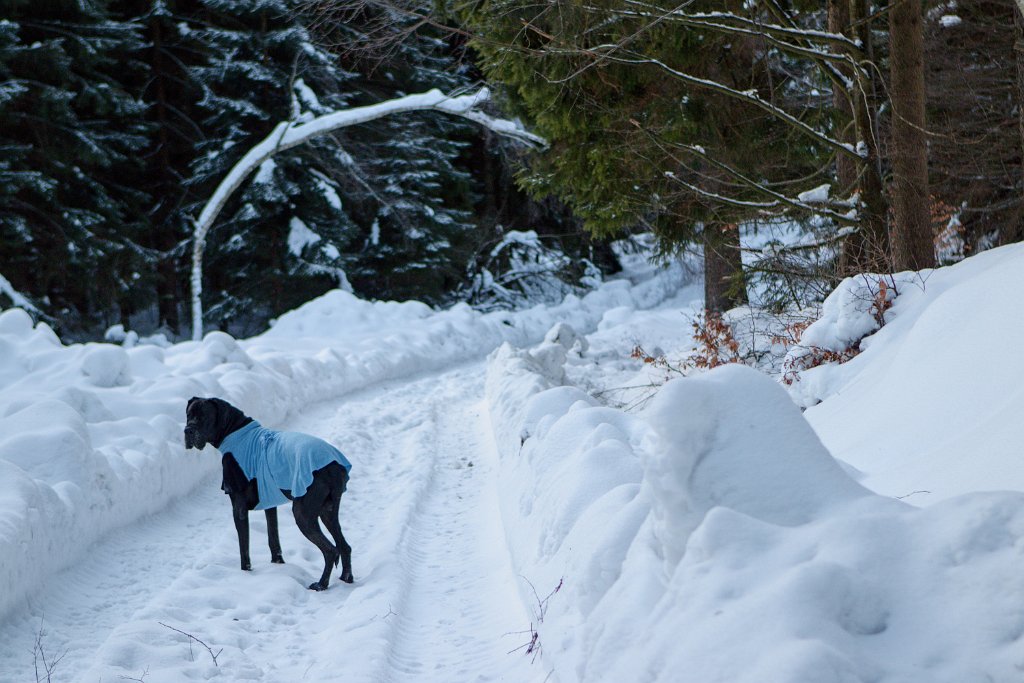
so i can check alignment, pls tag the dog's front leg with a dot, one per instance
(275, 540)
(241, 514)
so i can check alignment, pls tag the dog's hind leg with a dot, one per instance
(329, 516)
(275, 540)
(310, 528)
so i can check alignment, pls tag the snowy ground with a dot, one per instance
(541, 514)
(435, 594)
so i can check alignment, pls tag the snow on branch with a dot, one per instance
(792, 32)
(16, 297)
(814, 201)
(728, 22)
(774, 250)
(793, 40)
(288, 134)
(749, 96)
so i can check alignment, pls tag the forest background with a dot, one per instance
(851, 136)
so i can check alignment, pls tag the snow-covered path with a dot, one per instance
(435, 597)
(78, 607)
(460, 612)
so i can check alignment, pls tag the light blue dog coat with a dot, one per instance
(279, 460)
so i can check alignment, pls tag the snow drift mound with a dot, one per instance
(88, 440)
(713, 538)
(734, 439)
(932, 404)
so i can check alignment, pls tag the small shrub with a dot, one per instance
(716, 343)
(816, 356)
(659, 361)
(881, 302)
(532, 647)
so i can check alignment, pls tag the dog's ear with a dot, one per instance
(224, 417)
(199, 409)
(219, 411)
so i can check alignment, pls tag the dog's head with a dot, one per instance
(209, 420)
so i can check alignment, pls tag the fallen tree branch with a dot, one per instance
(191, 637)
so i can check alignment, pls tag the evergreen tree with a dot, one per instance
(630, 146)
(69, 130)
(287, 235)
(170, 49)
(399, 50)
(383, 204)
(419, 191)
(119, 117)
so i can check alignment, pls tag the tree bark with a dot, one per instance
(724, 285)
(868, 249)
(168, 292)
(1012, 232)
(912, 239)
(846, 169)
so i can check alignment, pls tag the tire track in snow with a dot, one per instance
(460, 614)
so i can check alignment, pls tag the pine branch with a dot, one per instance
(748, 96)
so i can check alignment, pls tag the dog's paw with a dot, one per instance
(317, 586)
(246, 567)
(346, 577)
(277, 559)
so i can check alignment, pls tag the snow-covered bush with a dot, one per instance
(521, 271)
(117, 334)
(856, 309)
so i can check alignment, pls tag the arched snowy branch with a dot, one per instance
(16, 297)
(288, 134)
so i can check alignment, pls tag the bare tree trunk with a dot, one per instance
(724, 286)
(868, 249)
(912, 239)
(846, 170)
(1012, 232)
(168, 294)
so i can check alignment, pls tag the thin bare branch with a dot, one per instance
(748, 96)
(213, 655)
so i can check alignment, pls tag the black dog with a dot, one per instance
(211, 420)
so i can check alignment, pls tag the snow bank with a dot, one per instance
(713, 538)
(90, 439)
(932, 404)
(338, 343)
(91, 435)
(849, 315)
